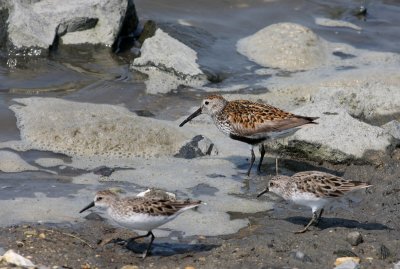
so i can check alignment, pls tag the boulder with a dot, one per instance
(287, 46)
(39, 24)
(370, 100)
(337, 138)
(168, 64)
(83, 129)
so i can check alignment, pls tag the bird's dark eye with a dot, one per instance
(206, 102)
(99, 198)
(271, 184)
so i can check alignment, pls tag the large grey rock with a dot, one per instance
(287, 46)
(38, 24)
(337, 138)
(168, 63)
(370, 100)
(83, 129)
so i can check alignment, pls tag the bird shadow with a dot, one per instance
(327, 223)
(169, 249)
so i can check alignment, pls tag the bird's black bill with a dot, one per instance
(87, 207)
(194, 115)
(264, 191)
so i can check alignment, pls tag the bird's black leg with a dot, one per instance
(319, 217)
(262, 153)
(312, 221)
(149, 246)
(253, 157)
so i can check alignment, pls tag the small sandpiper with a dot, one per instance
(312, 189)
(249, 122)
(140, 213)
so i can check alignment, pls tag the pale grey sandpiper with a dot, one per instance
(140, 213)
(249, 122)
(313, 189)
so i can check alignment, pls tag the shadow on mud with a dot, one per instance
(169, 249)
(327, 223)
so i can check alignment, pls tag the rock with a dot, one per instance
(197, 147)
(336, 23)
(168, 63)
(396, 265)
(10, 162)
(298, 255)
(348, 264)
(103, 171)
(392, 128)
(83, 129)
(287, 46)
(130, 267)
(38, 24)
(354, 238)
(337, 138)
(13, 258)
(370, 100)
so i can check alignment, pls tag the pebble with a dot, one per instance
(354, 238)
(130, 267)
(298, 255)
(396, 265)
(341, 260)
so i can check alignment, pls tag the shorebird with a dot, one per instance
(312, 189)
(249, 122)
(140, 213)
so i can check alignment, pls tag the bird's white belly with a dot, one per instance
(309, 200)
(143, 222)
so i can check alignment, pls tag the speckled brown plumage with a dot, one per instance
(325, 185)
(153, 207)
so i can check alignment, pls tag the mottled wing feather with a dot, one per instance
(325, 185)
(248, 118)
(158, 207)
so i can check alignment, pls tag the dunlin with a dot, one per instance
(312, 189)
(140, 213)
(249, 122)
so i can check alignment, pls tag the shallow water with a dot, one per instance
(212, 28)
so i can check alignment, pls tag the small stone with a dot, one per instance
(396, 265)
(30, 232)
(197, 147)
(11, 257)
(93, 216)
(354, 238)
(202, 259)
(42, 236)
(190, 267)
(20, 244)
(298, 255)
(342, 260)
(130, 267)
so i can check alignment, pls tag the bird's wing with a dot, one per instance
(248, 118)
(159, 206)
(326, 185)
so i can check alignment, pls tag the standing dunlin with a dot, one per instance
(313, 189)
(140, 213)
(249, 122)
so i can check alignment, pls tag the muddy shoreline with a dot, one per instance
(267, 242)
